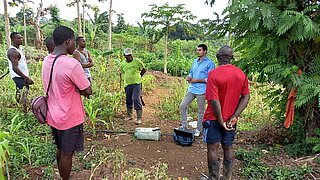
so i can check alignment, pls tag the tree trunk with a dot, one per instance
(165, 52)
(7, 25)
(93, 36)
(311, 114)
(83, 13)
(24, 23)
(36, 24)
(79, 18)
(110, 31)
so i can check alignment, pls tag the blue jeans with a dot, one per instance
(133, 94)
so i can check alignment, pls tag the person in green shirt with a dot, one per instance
(132, 70)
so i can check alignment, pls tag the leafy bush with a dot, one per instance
(282, 173)
(259, 111)
(315, 141)
(4, 152)
(169, 107)
(253, 167)
(298, 149)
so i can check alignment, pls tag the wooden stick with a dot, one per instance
(204, 175)
(307, 158)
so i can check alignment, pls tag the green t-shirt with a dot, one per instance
(131, 72)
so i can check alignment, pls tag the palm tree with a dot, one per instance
(166, 16)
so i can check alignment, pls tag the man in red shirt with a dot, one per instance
(227, 94)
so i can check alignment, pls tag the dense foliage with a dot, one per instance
(275, 39)
(272, 39)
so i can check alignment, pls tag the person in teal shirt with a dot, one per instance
(197, 80)
(132, 70)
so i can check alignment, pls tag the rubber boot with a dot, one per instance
(129, 114)
(214, 170)
(227, 169)
(139, 116)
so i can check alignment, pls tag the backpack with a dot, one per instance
(39, 104)
(183, 137)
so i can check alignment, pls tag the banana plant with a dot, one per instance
(4, 153)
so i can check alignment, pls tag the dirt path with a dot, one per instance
(182, 161)
(189, 162)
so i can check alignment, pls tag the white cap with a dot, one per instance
(127, 51)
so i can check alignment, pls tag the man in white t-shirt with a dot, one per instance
(18, 69)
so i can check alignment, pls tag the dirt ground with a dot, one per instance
(189, 162)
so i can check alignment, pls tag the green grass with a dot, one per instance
(30, 144)
(169, 107)
(254, 166)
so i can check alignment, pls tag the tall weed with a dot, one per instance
(169, 107)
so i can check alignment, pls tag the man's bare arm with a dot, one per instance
(76, 55)
(89, 58)
(194, 80)
(218, 114)
(14, 56)
(243, 102)
(143, 71)
(86, 92)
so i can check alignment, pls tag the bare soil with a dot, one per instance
(189, 162)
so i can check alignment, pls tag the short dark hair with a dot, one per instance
(13, 34)
(226, 51)
(49, 41)
(225, 54)
(204, 47)
(78, 38)
(61, 34)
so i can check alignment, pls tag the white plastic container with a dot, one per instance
(193, 124)
(148, 133)
(189, 118)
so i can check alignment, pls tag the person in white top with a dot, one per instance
(18, 69)
(83, 56)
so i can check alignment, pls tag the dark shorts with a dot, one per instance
(20, 83)
(213, 133)
(69, 140)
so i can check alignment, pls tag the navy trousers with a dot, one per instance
(133, 93)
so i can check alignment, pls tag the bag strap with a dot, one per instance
(51, 73)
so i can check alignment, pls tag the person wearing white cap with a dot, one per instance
(132, 70)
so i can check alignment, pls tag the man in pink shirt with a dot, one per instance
(65, 109)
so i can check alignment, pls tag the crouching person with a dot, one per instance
(65, 109)
(227, 94)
